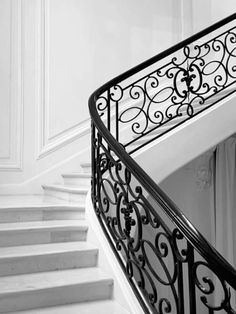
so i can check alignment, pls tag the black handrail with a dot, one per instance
(171, 210)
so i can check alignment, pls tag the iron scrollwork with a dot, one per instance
(189, 82)
(124, 209)
(215, 293)
(154, 253)
(168, 271)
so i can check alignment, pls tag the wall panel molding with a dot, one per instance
(13, 162)
(46, 143)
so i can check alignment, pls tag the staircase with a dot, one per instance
(46, 263)
(167, 110)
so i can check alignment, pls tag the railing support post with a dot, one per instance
(192, 290)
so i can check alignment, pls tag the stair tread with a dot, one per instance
(85, 164)
(103, 307)
(34, 207)
(52, 279)
(77, 175)
(45, 224)
(28, 200)
(66, 188)
(41, 249)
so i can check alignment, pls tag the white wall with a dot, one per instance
(194, 196)
(199, 14)
(220, 10)
(10, 87)
(53, 54)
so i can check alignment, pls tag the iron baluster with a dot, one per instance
(181, 305)
(191, 283)
(143, 226)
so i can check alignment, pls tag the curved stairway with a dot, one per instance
(46, 263)
(171, 108)
(170, 266)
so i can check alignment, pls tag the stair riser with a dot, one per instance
(82, 182)
(56, 296)
(100, 306)
(39, 215)
(25, 237)
(47, 262)
(64, 215)
(86, 169)
(70, 197)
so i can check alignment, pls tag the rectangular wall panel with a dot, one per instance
(5, 78)
(11, 105)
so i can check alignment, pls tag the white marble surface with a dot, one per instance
(45, 280)
(31, 200)
(46, 257)
(31, 225)
(40, 249)
(38, 290)
(102, 307)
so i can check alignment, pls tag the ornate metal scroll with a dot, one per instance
(159, 262)
(170, 266)
(188, 82)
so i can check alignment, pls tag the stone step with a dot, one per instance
(103, 307)
(41, 213)
(86, 167)
(46, 257)
(68, 193)
(40, 232)
(19, 208)
(30, 291)
(77, 179)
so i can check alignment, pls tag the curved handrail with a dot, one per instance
(171, 209)
(197, 240)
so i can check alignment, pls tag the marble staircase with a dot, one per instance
(46, 263)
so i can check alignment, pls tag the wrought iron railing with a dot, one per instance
(169, 264)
